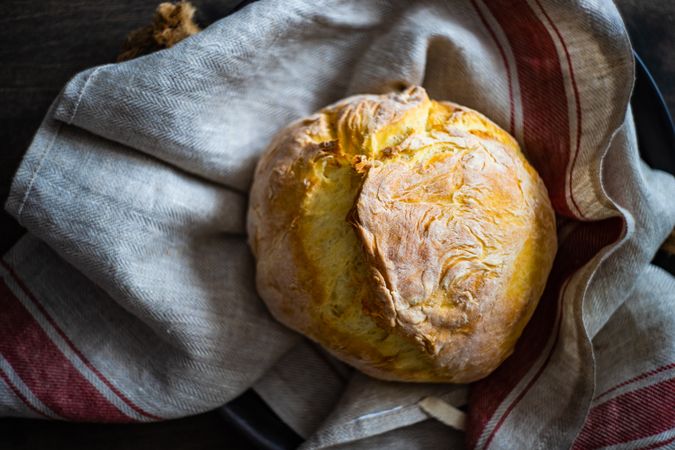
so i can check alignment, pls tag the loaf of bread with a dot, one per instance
(409, 237)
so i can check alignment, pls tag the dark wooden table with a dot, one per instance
(44, 43)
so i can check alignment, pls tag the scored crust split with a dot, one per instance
(409, 237)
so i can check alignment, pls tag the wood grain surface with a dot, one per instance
(44, 43)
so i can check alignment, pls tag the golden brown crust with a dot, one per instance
(409, 237)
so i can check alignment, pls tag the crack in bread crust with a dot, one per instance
(409, 237)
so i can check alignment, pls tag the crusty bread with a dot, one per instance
(409, 237)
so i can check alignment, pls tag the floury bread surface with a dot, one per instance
(409, 237)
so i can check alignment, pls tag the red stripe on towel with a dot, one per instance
(74, 349)
(486, 396)
(546, 128)
(45, 369)
(638, 414)
(15, 389)
(577, 103)
(637, 378)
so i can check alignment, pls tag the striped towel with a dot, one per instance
(131, 299)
